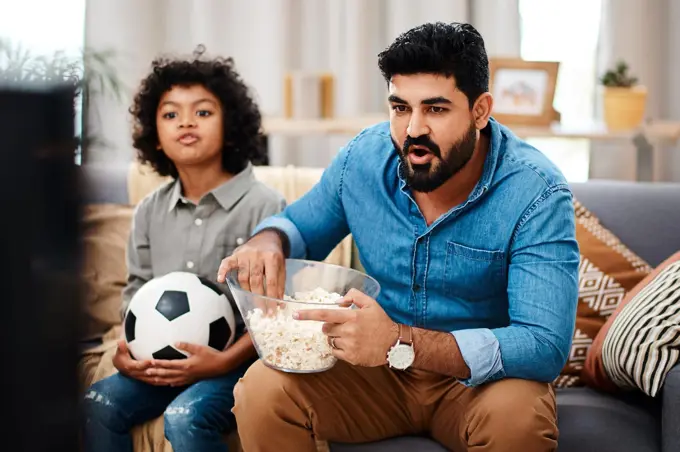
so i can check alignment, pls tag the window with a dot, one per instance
(43, 27)
(565, 31)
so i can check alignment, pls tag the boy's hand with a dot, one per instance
(204, 362)
(130, 367)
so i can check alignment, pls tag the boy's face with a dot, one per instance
(189, 124)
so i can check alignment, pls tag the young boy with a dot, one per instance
(194, 121)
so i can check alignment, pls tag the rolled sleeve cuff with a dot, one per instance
(482, 354)
(298, 248)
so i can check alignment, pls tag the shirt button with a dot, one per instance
(198, 222)
(239, 241)
(190, 264)
(416, 287)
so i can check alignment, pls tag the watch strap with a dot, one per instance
(405, 334)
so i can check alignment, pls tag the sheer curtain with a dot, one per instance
(267, 38)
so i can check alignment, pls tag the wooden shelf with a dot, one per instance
(663, 130)
(298, 127)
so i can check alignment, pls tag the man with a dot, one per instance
(470, 232)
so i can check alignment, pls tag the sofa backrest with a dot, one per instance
(644, 216)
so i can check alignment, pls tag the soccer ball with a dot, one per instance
(177, 307)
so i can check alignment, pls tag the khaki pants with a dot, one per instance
(276, 411)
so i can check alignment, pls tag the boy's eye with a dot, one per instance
(435, 109)
(203, 113)
(170, 115)
(399, 108)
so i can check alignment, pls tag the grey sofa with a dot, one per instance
(646, 217)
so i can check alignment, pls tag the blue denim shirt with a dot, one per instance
(499, 271)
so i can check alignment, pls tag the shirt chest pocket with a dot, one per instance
(231, 242)
(474, 274)
(223, 247)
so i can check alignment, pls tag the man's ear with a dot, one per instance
(481, 110)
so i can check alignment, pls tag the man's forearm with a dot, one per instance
(438, 352)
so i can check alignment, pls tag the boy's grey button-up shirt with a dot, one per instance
(170, 233)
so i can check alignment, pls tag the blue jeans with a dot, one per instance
(195, 417)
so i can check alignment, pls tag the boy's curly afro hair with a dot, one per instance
(243, 139)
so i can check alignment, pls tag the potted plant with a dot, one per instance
(89, 72)
(624, 99)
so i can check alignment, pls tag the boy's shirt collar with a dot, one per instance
(227, 194)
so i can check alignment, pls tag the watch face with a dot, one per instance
(401, 356)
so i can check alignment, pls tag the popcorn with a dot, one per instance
(294, 345)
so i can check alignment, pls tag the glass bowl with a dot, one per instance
(290, 345)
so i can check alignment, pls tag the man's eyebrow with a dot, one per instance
(428, 101)
(396, 99)
(436, 100)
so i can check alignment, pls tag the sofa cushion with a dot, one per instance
(627, 208)
(607, 271)
(638, 344)
(106, 228)
(590, 421)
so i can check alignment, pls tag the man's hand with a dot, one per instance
(260, 263)
(361, 337)
(130, 367)
(204, 362)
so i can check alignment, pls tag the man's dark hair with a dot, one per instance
(454, 49)
(243, 139)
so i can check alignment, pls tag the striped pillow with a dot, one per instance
(643, 343)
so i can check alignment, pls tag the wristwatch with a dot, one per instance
(402, 354)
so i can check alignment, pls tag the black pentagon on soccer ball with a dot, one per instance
(130, 323)
(168, 353)
(173, 304)
(210, 285)
(219, 334)
(217, 289)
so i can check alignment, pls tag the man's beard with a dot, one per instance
(432, 175)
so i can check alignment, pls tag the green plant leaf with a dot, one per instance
(618, 76)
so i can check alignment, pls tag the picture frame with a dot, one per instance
(523, 91)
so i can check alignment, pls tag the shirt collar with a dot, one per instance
(175, 195)
(227, 194)
(491, 162)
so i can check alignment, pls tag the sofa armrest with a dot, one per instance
(670, 412)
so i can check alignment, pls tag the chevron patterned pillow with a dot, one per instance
(607, 272)
(643, 343)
